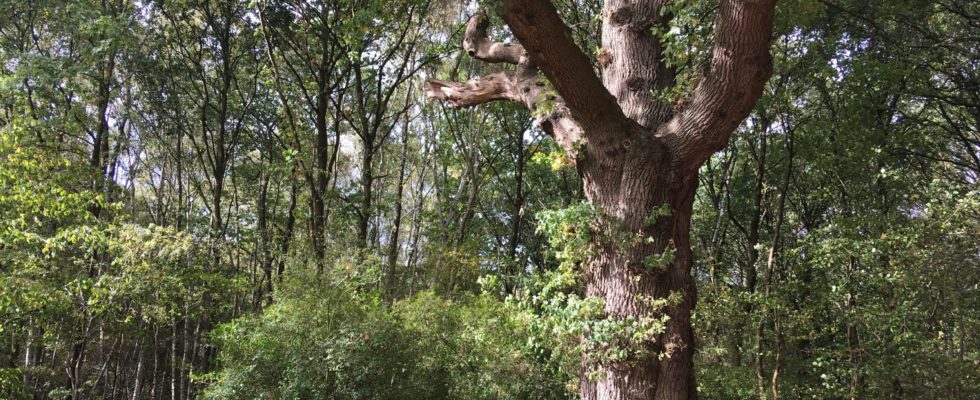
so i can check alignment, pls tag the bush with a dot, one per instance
(335, 343)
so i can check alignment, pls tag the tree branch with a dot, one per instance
(479, 46)
(581, 103)
(492, 87)
(740, 66)
(548, 43)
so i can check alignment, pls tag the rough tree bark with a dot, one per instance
(634, 153)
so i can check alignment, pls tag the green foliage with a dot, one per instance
(686, 41)
(555, 160)
(557, 317)
(332, 343)
(490, 348)
(719, 381)
(580, 321)
(613, 341)
(11, 386)
(569, 231)
(660, 261)
(546, 101)
(873, 242)
(662, 211)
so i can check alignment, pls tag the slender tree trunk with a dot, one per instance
(778, 362)
(185, 358)
(415, 233)
(155, 374)
(28, 344)
(174, 363)
(367, 186)
(138, 377)
(393, 240)
(263, 290)
(78, 357)
(100, 145)
(774, 249)
(287, 235)
(472, 198)
(321, 173)
(751, 271)
(367, 135)
(179, 161)
(517, 215)
(853, 340)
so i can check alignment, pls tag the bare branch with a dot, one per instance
(595, 107)
(479, 46)
(492, 87)
(496, 86)
(740, 66)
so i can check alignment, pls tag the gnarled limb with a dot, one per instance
(546, 46)
(509, 85)
(523, 84)
(516, 85)
(479, 46)
(740, 66)
(492, 87)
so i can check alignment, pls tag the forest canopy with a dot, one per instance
(443, 199)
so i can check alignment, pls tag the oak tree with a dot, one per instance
(638, 155)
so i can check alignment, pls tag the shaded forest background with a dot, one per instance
(233, 199)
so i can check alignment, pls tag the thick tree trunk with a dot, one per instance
(621, 273)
